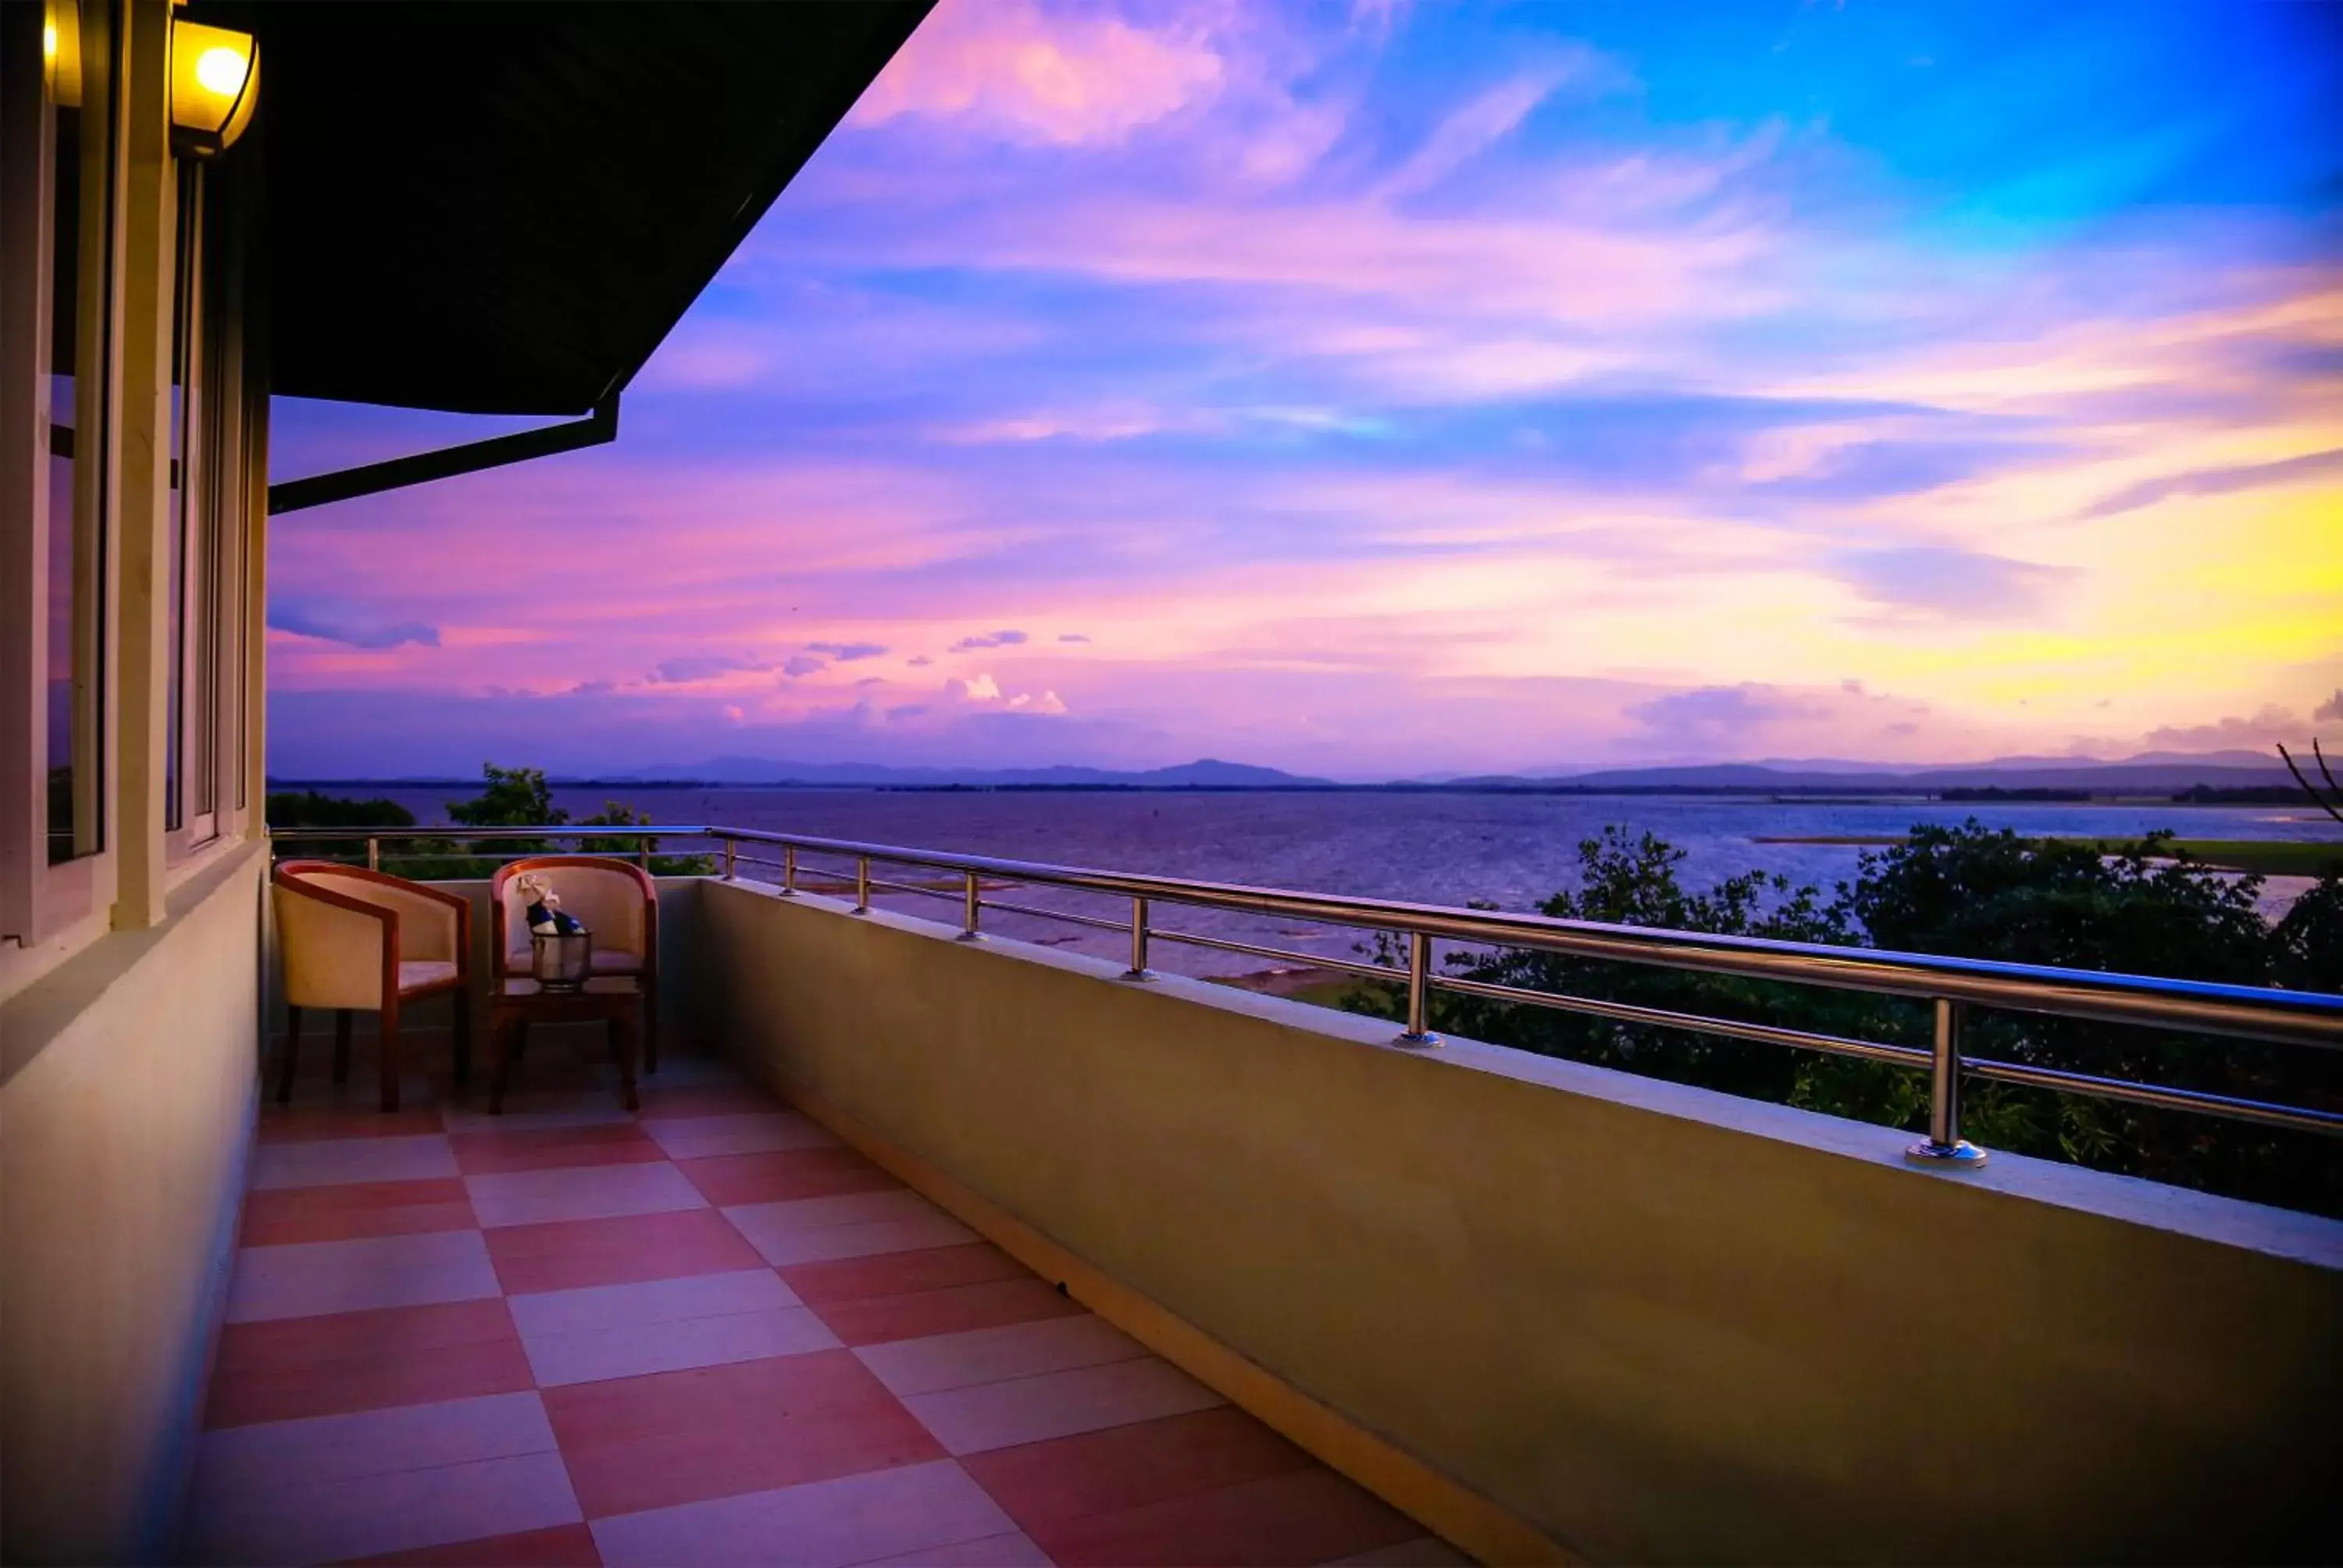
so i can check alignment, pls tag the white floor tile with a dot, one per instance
(782, 1245)
(915, 1509)
(314, 1278)
(1057, 1404)
(326, 1448)
(337, 1161)
(991, 1355)
(1014, 1550)
(750, 1132)
(581, 1193)
(595, 1356)
(374, 1515)
(650, 1301)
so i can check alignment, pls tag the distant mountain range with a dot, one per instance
(1203, 774)
(2153, 772)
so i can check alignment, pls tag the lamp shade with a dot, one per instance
(61, 51)
(214, 84)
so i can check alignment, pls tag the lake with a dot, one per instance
(1514, 850)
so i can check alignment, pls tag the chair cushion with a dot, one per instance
(415, 974)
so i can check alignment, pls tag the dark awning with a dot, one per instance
(502, 208)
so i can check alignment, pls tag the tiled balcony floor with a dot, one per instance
(707, 1333)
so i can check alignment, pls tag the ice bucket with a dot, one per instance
(561, 962)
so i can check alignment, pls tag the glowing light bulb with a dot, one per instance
(221, 70)
(49, 42)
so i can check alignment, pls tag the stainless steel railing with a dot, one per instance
(1951, 986)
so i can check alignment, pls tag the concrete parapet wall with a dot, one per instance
(126, 1101)
(1653, 1322)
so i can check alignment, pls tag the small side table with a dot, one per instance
(516, 1003)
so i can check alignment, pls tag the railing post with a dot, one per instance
(731, 850)
(789, 871)
(374, 854)
(1944, 1145)
(973, 904)
(1139, 970)
(1419, 1034)
(861, 884)
(643, 851)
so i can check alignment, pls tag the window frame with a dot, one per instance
(39, 898)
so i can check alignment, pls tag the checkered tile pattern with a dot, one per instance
(707, 1333)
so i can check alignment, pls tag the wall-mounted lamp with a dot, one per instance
(214, 84)
(61, 51)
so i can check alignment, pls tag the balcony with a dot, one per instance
(944, 1250)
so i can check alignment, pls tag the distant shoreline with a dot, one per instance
(1784, 794)
(2260, 857)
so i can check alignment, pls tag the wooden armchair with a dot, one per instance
(352, 938)
(615, 899)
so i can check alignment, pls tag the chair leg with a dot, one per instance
(463, 1005)
(292, 1051)
(651, 1022)
(390, 1053)
(342, 1020)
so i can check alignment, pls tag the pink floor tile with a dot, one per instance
(1300, 1517)
(487, 1154)
(958, 1309)
(315, 1278)
(651, 1302)
(784, 1245)
(772, 1175)
(590, 1192)
(332, 1160)
(376, 1380)
(653, 1441)
(1126, 1467)
(1057, 1404)
(571, 1253)
(561, 1546)
(917, 1509)
(700, 1137)
(989, 1355)
(592, 1355)
(284, 1215)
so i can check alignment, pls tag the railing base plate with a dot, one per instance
(1961, 1155)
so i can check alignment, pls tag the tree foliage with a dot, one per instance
(512, 797)
(1967, 892)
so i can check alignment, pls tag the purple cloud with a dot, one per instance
(987, 639)
(352, 626)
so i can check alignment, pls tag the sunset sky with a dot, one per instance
(1389, 391)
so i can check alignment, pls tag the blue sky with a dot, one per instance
(1385, 389)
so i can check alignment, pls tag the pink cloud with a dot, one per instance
(1009, 69)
